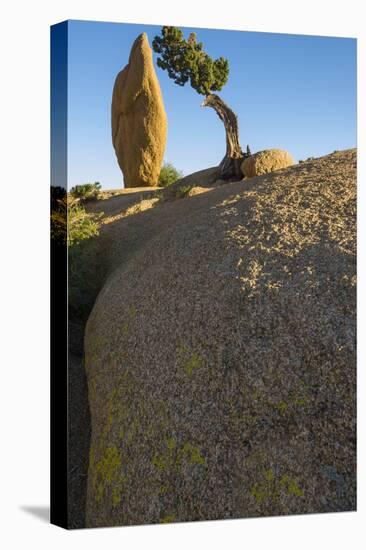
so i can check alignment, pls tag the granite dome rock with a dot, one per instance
(220, 353)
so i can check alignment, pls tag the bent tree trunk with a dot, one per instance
(230, 166)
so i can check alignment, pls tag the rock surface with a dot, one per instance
(220, 355)
(206, 179)
(139, 122)
(265, 162)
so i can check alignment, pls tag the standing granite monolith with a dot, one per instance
(139, 121)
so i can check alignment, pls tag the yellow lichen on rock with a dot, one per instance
(265, 162)
(139, 121)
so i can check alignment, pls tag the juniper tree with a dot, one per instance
(186, 61)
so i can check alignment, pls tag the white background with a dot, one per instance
(24, 398)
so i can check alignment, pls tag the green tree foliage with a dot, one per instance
(71, 224)
(86, 191)
(169, 174)
(186, 61)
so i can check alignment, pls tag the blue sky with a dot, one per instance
(289, 91)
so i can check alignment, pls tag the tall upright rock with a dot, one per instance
(139, 121)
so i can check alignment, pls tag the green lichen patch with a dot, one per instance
(301, 395)
(190, 360)
(161, 462)
(131, 316)
(172, 462)
(291, 486)
(168, 519)
(171, 444)
(164, 489)
(173, 456)
(272, 488)
(126, 418)
(195, 362)
(269, 475)
(165, 459)
(265, 489)
(193, 454)
(294, 399)
(282, 407)
(116, 496)
(132, 312)
(105, 471)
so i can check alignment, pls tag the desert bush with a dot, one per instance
(169, 174)
(306, 160)
(86, 275)
(71, 224)
(57, 193)
(86, 191)
(183, 191)
(75, 228)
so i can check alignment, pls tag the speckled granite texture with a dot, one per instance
(220, 354)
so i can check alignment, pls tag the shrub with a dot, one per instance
(169, 175)
(71, 224)
(183, 191)
(57, 193)
(87, 268)
(86, 191)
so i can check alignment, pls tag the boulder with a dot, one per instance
(265, 162)
(139, 121)
(220, 354)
